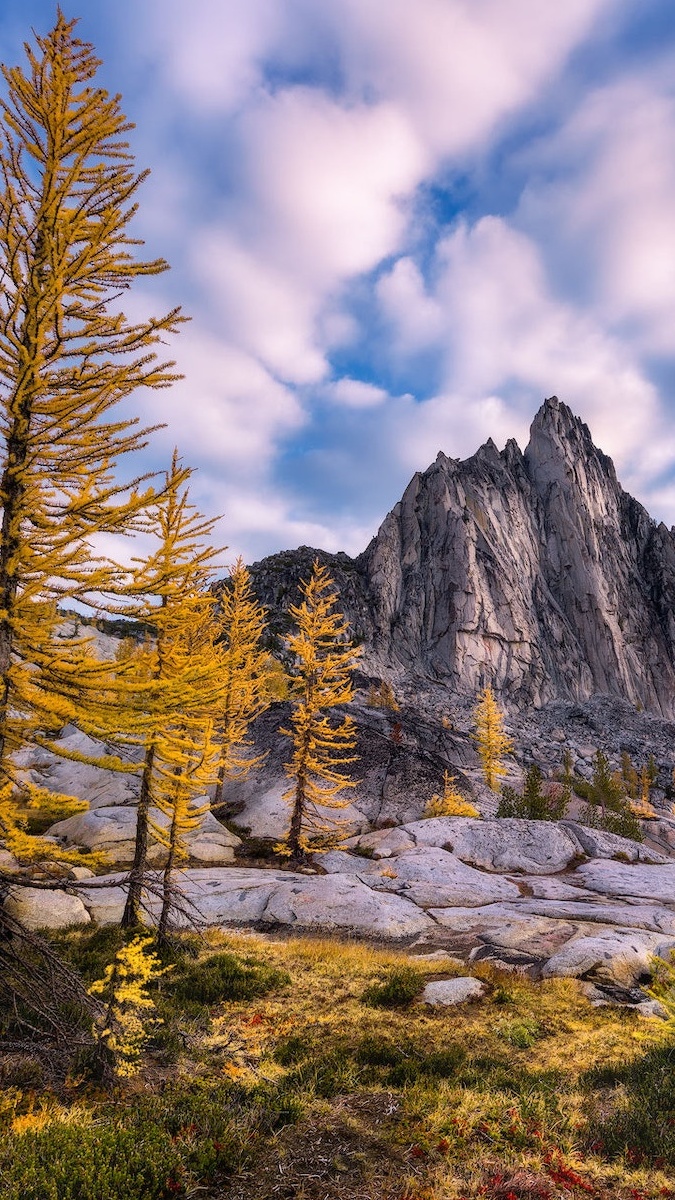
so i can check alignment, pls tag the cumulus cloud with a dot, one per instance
(505, 331)
(324, 120)
(228, 412)
(211, 53)
(611, 201)
(354, 393)
(458, 67)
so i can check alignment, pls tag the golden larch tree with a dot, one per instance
(68, 356)
(246, 669)
(491, 740)
(322, 744)
(186, 750)
(176, 686)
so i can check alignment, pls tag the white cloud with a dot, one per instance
(354, 393)
(268, 314)
(611, 204)
(458, 66)
(228, 413)
(323, 182)
(406, 303)
(506, 332)
(211, 50)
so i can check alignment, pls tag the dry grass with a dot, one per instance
(497, 1099)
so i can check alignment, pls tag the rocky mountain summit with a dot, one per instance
(533, 572)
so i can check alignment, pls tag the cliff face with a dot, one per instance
(533, 572)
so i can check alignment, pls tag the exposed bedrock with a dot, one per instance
(535, 573)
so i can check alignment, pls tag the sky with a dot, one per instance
(397, 226)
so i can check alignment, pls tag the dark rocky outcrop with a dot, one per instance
(535, 573)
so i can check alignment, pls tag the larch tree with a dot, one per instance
(186, 750)
(247, 671)
(322, 743)
(179, 684)
(491, 740)
(68, 357)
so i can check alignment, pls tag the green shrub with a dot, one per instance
(91, 952)
(522, 1034)
(182, 1143)
(398, 987)
(443, 1064)
(624, 824)
(224, 977)
(68, 1162)
(534, 804)
(608, 806)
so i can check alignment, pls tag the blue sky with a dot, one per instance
(397, 226)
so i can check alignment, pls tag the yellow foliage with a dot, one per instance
(276, 682)
(248, 676)
(180, 681)
(130, 1012)
(69, 357)
(451, 803)
(491, 740)
(324, 659)
(383, 697)
(29, 848)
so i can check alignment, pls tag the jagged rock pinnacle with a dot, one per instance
(533, 572)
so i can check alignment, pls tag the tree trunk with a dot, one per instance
(132, 909)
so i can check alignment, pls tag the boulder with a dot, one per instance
(651, 917)
(614, 957)
(105, 905)
(445, 992)
(99, 787)
(113, 830)
(551, 887)
(497, 844)
(504, 925)
(426, 875)
(623, 879)
(238, 895)
(344, 902)
(37, 908)
(598, 843)
(266, 814)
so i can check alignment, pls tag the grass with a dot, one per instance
(301, 1090)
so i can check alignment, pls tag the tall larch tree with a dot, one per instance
(186, 750)
(242, 621)
(176, 688)
(68, 356)
(492, 742)
(322, 743)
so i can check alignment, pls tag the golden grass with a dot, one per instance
(487, 1100)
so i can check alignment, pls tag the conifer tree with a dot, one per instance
(609, 807)
(491, 740)
(130, 1013)
(322, 744)
(246, 671)
(176, 686)
(535, 803)
(186, 749)
(68, 356)
(451, 803)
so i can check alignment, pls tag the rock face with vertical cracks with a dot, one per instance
(535, 573)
